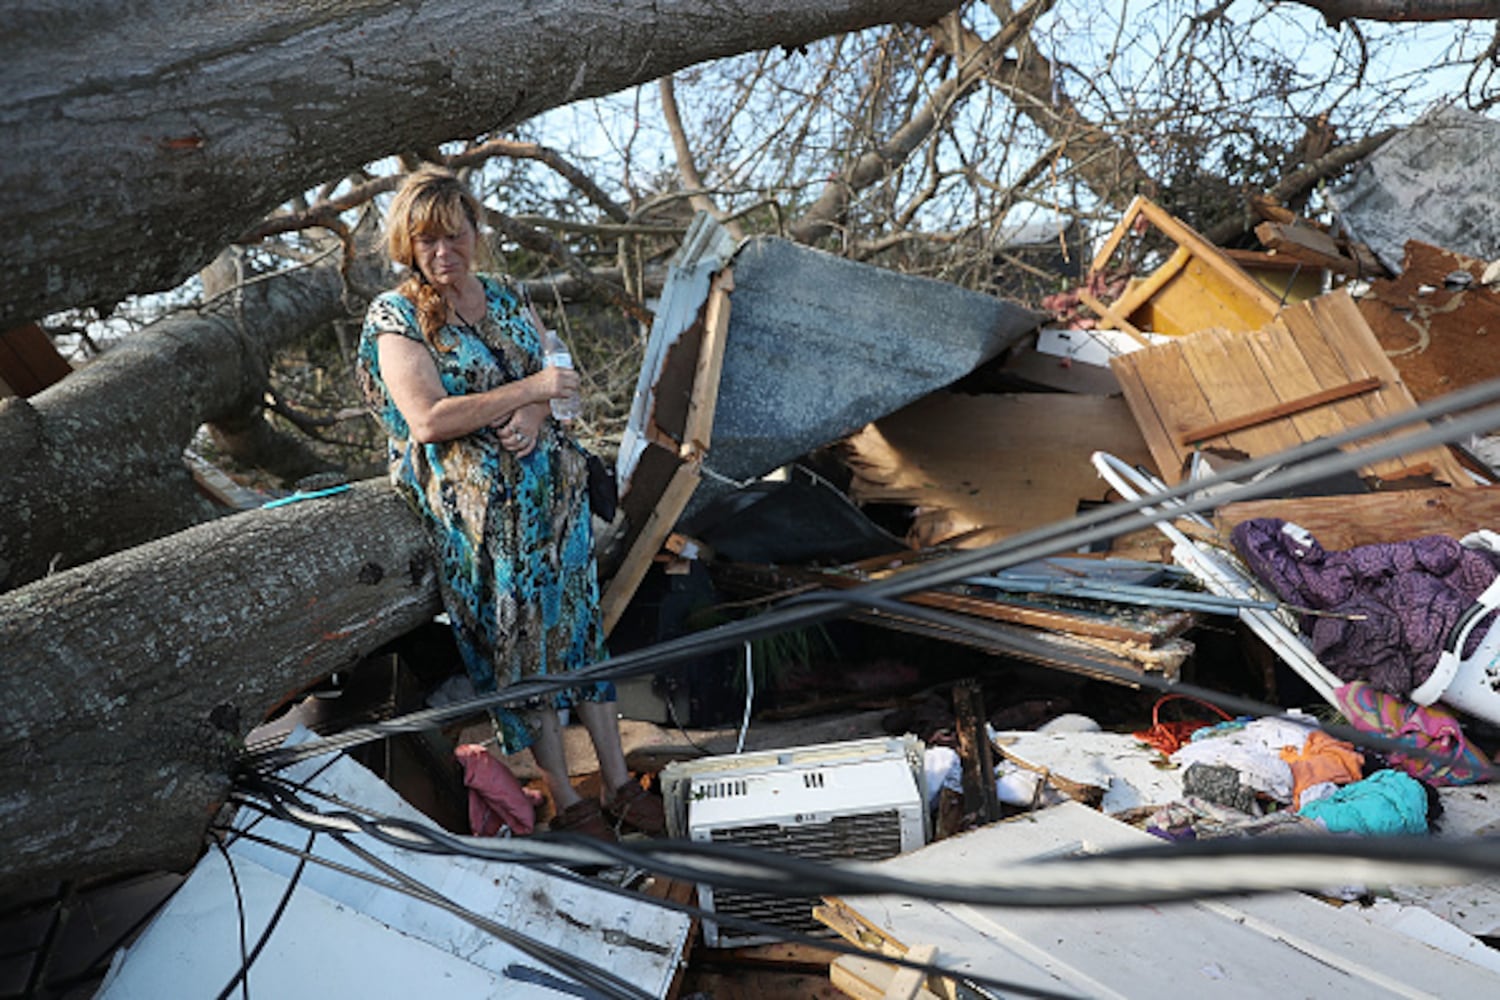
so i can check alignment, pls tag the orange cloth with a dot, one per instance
(1322, 758)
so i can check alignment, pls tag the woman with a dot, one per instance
(450, 362)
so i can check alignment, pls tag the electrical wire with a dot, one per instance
(243, 973)
(239, 904)
(397, 881)
(745, 924)
(1150, 874)
(1296, 466)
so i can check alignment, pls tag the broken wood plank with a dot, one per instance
(989, 482)
(1110, 317)
(1284, 409)
(622, 586)
(870, 979)
(1361, 355)
(1234, 383)
(698, 427)
(1346, 521)
(1312, 246)
(908, 983)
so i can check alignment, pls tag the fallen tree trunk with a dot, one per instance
(94, 464)
(127, 684)
(141, 138)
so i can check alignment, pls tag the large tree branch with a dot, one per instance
(1339, 11)
(94, 464)
(1302, 179)
(687, 169)
(135, 149)
(129, 683)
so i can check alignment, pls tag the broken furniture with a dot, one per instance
(764, 350)
(1196, 287)
(1313, 371)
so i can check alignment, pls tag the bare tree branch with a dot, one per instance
(823, 217)
(686, 168)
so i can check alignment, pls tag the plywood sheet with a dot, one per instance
(986, 467)
(1346, 521)
(1179, 387)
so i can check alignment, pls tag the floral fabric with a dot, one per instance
(511, 536)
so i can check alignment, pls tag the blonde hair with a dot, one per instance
(432, 200)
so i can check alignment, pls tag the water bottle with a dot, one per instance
(556, 355)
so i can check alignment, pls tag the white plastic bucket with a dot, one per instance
(1471, 685)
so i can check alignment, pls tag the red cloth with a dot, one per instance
(496, 798)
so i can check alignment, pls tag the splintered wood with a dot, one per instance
(1314, 371)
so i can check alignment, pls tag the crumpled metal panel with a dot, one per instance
(1437, 181)
(818, 346)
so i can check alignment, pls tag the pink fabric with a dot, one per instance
(1430, 728)
(496, 798)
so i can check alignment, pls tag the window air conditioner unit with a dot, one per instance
(862, 800)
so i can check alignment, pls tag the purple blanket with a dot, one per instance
(1408, 594)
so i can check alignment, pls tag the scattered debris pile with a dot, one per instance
(1206, 560)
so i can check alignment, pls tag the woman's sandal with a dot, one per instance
(634, 808)
(585, 817)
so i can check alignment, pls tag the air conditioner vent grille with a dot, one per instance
(726, 788)
(814, 779)
(869, 836)
(864, 837)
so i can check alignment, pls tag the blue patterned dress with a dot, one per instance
(512, 537)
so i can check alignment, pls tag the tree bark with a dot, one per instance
(127, 684)
(136, 148)
(1339, 11)
(94, 464)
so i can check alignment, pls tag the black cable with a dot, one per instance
(1114, 878)
(1322, 458)
(286, 898)
(730, 920)
(239, 903)
(586, 973)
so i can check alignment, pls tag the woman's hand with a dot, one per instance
(552, 383)
(521, 429)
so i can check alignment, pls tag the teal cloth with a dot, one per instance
(1386, 803)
